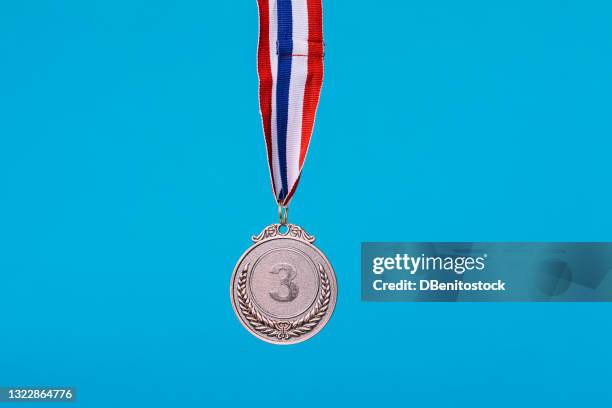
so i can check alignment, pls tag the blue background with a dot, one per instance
(133, 173)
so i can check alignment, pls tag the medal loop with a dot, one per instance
(283, 213)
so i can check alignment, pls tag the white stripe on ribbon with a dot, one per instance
(299, 73)
(273, 12)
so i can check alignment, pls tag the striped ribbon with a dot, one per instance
(290, 68)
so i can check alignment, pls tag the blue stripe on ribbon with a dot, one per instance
(285, 49)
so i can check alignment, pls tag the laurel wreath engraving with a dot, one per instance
(283, 330)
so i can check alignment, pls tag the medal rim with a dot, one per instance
(332, 305)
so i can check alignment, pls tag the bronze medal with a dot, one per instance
(283, 288)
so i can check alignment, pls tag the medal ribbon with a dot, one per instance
(290, 68)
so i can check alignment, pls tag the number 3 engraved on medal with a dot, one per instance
(290, 275)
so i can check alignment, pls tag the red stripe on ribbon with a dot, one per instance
(264, 71)
(314, 79)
